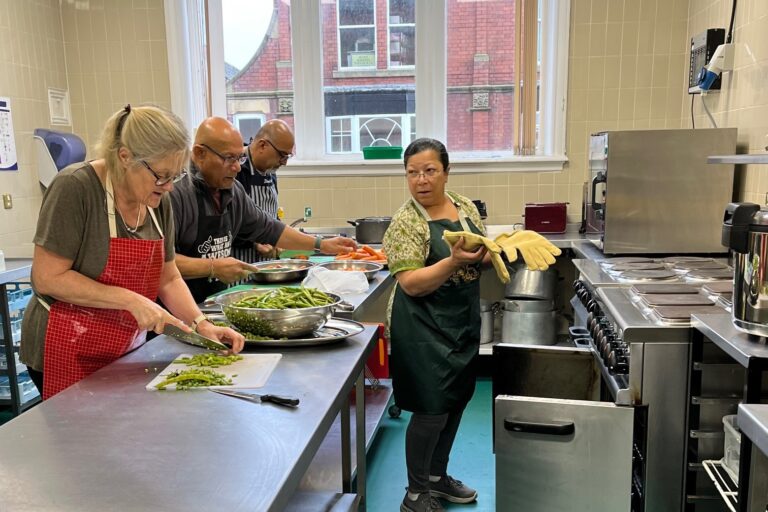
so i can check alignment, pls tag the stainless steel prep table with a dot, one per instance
(107, 443)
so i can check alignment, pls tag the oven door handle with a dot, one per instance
(599, 178)
(554, 428)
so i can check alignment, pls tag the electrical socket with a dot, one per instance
(7, 201)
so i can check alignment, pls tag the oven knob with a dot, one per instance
(607, 345)
(578, 285)
(602, 323)
(618, 363)
(592, 307)
(583, 296)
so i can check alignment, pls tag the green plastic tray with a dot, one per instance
(382, 152)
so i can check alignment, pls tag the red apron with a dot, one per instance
(80, 340)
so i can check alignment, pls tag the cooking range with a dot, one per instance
(616, 403)
(637, 312)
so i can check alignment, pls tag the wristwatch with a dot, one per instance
(197, 321)
(318, 241)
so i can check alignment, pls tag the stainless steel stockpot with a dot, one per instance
(370, 230)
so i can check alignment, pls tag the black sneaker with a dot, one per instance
(452, 490)
(424, 503)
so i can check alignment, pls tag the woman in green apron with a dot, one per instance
(434, 323)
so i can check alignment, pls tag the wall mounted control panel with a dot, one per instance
(703, 46)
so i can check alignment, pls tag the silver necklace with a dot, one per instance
(127, 227)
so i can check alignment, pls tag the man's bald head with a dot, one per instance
(217, 131)
(216, 153)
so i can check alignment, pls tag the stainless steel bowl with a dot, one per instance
(280, 271)
(369, 268)
(275, 323)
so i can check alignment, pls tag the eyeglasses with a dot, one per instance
(227, 159)
(162, 180)
(428, 174)
(283, 154)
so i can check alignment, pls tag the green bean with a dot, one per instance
(210, 360)
(287, 297)
(194, 378)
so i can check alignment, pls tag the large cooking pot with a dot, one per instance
(370, 230)
(528, 322)
(530, 284)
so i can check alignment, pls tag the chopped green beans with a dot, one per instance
(194, 378)
(209, 359)
(287, 297)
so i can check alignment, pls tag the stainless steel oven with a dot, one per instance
(601, 427)
(652, 191)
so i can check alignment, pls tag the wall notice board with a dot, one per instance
(8, 161)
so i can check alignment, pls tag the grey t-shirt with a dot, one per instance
(73, 223)
(248, 221)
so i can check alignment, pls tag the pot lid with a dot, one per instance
(374, 219)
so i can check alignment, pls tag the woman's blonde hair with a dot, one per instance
(147, 131)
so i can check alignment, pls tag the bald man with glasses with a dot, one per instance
(267, 152)
(211, 209)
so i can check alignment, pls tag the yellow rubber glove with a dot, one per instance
(538, 252)
(473, 241)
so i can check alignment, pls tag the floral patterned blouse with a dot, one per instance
(407, 242)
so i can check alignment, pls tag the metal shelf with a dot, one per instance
(758, 158)
(728, 490)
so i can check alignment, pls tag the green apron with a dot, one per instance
(436, 338)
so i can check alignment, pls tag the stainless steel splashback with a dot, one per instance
(661, 196)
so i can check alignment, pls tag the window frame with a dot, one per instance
(431, 93)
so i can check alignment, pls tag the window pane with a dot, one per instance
(402, 46)
(248, 126)
(365, 103)
(356, 12)
(258, 63)
(381, 131)
(402, 11)
(357, 47)
(481, 35)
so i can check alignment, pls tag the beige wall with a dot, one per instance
(31, 60)
(116, 54)
(106, 52)
(743, 99)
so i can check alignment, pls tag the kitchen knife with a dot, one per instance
(193, 338)
(256, 398)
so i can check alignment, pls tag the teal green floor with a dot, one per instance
(471, 458)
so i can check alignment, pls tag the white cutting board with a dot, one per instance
(252, 371)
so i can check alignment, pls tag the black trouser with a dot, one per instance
(428, 442)
(37, 378)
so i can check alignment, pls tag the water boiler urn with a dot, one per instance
(745, 232)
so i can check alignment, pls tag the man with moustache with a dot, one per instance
(211, 209)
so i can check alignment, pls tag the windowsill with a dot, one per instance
(299, 168)
(373, 73)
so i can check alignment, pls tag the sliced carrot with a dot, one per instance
(369, 258)
(344, 256)
(369, 250)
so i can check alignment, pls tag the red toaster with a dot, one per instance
(545, 217)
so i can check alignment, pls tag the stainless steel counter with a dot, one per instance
(753, 422)
(744, 348)
(106, 443)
